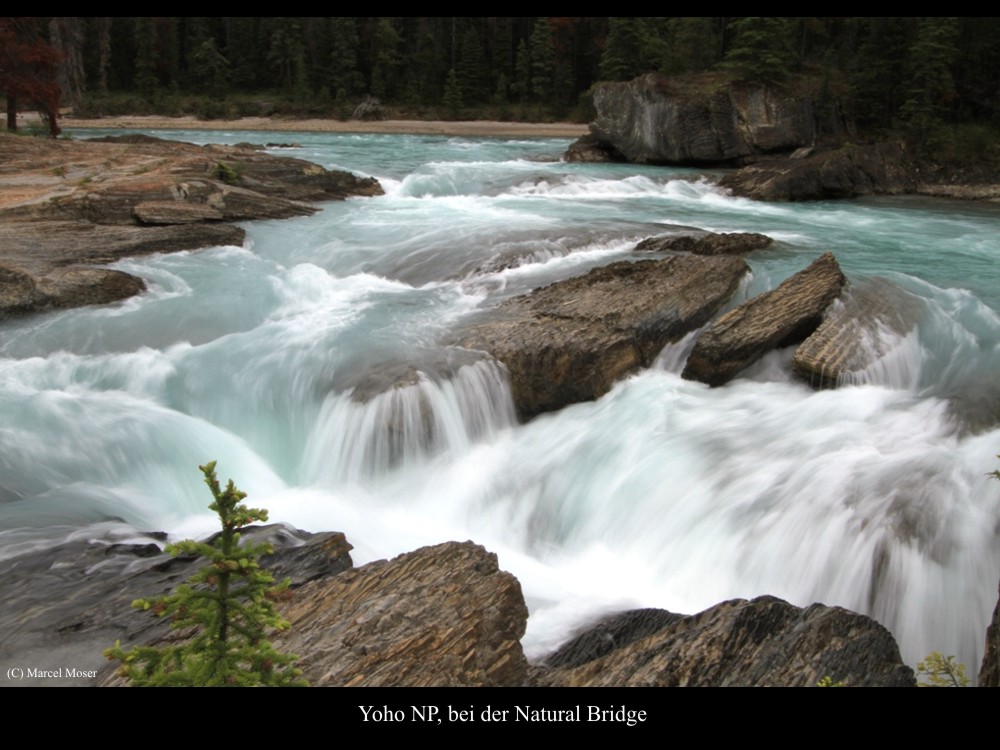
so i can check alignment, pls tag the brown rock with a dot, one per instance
(570, 341)
(175, 212)
(70, 202)
(709, 243)
(874, 315)
(772, 320)
(765, 642)
(439, 616)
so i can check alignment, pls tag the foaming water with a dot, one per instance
(314, 365)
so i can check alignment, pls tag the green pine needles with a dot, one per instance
(227, 607)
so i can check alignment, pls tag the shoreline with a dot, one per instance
(471, 128)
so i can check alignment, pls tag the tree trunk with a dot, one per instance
(11, 113)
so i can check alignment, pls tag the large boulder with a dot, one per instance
(439, 616)
(879, 169)
(874, 317)
(570, 341)
(659, 120)
(773, 320)
(765, 642)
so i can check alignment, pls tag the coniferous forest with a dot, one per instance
(877, 73)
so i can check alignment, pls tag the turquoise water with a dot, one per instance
(663, 493)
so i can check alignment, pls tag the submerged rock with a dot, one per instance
(773, 320)
(765, 642)
(708, 243)
(570, 341)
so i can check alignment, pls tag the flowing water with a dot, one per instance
(269, 358)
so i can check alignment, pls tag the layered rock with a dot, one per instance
(69, 202)
(570, 341)
(879, 169)
(65, 603)
(872, 320)
(439, 616)
(773, 320)
(765, 642)
(707, 243)
(659, 120)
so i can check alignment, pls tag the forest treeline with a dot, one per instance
(877, 72)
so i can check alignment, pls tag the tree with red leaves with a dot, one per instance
(28, 71)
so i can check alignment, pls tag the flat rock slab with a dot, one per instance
(765, 642)
(773, 320)
(873, 318)
(707, 243)
(570, 341)
(72, 202)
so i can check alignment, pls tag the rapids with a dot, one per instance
(666, 493)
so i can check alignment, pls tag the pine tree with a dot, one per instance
(229, 607)
(763, 49)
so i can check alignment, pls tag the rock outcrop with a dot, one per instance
(765, 642)
(872, 320)
(439, 616)
(989, 670)
(64, 203)
(65, 603)
(773, 320)
(659, 120)
(707, 243)
(878, 169)
(570, 341)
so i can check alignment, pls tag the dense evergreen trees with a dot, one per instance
(882, 72)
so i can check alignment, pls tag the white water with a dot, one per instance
(664, 493)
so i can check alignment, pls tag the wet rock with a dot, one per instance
(765, 642)
(71, 202)
(660, 120)
(989, 670)
(773, 320)
(708, 243)
(588, 150)
(610, 634)
(64, 603)
(879, 169)
(570, 341)
(439, 616)
(872, 319)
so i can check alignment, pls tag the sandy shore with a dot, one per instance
(476, 128)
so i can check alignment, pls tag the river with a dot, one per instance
(663, 493)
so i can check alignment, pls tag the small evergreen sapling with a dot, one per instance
(228, 606)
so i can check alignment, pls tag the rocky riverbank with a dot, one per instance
(445, 615)
(769, 135)
(66, 205)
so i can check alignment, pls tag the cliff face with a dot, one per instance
(653, 120)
